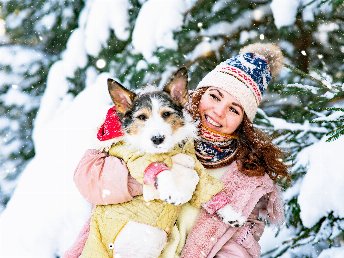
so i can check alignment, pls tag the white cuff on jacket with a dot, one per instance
(230, 216)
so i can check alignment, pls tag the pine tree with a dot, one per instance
(36, 34)
(300, 108)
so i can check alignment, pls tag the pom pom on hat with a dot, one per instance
(247, 75)
(271, 52)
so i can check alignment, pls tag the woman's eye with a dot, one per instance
(142, 117)
(166, 114)
(213, 96)
(232, 109)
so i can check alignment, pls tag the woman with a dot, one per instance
(231, 149)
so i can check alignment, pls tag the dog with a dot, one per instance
(154, 120)
(156, 128)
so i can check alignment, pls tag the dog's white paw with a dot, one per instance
(150, 193)
(183, 160)
(230, 216)
(176, 186)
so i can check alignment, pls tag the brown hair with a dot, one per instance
(257, 154)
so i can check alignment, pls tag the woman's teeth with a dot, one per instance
(212, 122)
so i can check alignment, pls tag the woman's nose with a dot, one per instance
(220, 110)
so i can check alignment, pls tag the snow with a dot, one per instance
(323, 32)
(220, 28)
(312, 7)
(281, 124)
(87, 39)
(204, 48)
(270, 241)
(325, 79)
(15, 97)
(18, 57)
(46, 205)
(141, 65)
(312, 89)
(324, 181)
(332, 117)
(20, 60)
(292, 191)
(334, 252)
(247, 35)
(99, 23)
(284, 12)
(47, 22)
(244, 21)
(16, 19)
(155, 24)
(76, 58)
(219, 5)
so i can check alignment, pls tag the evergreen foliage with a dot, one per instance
(36, 34)
(301, 107)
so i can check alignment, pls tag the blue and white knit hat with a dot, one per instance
(247, 75)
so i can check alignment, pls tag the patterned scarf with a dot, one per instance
(214, 149)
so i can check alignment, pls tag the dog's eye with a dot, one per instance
(142, 117)
(166, 114)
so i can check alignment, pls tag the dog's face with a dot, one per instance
(154, 121)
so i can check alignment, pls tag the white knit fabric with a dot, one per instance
(137, 238)
(234, 87)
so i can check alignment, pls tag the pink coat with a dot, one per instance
(210, 237)
(250, 196)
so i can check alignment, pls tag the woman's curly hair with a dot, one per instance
(257, 154)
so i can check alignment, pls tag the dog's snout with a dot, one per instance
(158, 139)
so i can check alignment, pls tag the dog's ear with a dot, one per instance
(121, 97)
(177, 87)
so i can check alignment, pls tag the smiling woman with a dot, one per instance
(233, 153)
(232, 149)
(220, 111)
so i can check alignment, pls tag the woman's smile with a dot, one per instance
(211, 121)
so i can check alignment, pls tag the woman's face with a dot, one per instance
(220, 111)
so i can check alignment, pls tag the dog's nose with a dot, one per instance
(158, 139)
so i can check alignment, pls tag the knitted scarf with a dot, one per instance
(214, 149)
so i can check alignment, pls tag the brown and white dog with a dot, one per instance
(154, 120)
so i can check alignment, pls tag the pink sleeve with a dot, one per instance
(152, 171)
(76, 250)
(233, 250)
(103, 179)
(217, 202)
(244, 242)
(275, 207)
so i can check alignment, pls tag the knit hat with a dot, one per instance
(111, 128)
(247, 75)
